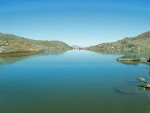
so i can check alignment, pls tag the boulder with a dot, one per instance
(128, 59)
(148, 60)
(141, 79)
(146, 85)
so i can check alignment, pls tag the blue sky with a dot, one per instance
(76, 22)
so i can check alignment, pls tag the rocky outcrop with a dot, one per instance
(133, 60)
(148, 60)
(145, 84)
(129, 59)
(11, 44)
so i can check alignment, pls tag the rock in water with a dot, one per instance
(148, 60)
(141, 79)
(146, 85)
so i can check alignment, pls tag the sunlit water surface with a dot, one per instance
(71, 82)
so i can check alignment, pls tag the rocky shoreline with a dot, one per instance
(145, 84)
(133, 59)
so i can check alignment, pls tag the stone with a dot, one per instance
(141, 79)
(148, 60)
(146, 85)
(128, 59)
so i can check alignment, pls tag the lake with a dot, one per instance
(71, 82)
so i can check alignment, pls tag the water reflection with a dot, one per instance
(71, 82)
(129, 62)
(144, 54)
(15, 57)
(125, 90)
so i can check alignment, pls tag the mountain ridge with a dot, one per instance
(138, 43)
(10, 43)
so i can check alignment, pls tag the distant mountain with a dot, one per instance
(11, 44)
(137, 43)
(75, 46)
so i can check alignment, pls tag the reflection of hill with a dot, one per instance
(15, 57)
(54, 52)
(129, 62)
(10, 60)
(143, 54)
(107, 52)
(140, 54)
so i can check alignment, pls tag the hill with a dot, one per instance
(11, 44)
(137, 43)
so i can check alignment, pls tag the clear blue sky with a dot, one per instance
(76, 22)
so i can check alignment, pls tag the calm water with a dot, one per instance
(71, 82)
